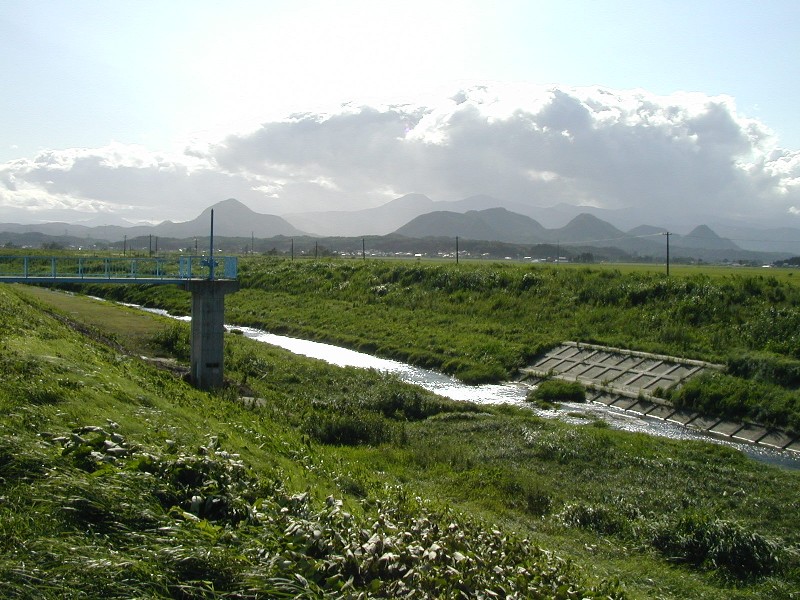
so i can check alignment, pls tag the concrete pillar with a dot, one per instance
(208, 328)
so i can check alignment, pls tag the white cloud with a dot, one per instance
(684, 154)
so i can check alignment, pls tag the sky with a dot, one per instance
(146, 111)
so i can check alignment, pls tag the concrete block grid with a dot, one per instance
(627, 380)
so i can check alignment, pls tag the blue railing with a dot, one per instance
(190, 265)
(116, 269)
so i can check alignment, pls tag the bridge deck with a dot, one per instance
(127, 280)
(135, 270)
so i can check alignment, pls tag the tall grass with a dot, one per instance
(132, 484)
(481, 322)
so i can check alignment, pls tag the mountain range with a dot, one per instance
(499, 224)
(231, 219)
(393, 215)
(417, 216)
(388, 217)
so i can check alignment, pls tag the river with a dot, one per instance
(509, 393)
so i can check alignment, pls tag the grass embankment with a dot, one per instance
(118, 480)
(481, 322)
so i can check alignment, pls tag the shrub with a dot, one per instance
(351, 428)
(600, 519)
(733, 397)
(407, 403)
(770, 368)
(174, 340)
(716, 544)
(556, 390)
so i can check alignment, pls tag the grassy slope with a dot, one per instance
(481, 322)
(120, 481)
(73, 520)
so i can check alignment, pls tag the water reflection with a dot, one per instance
(510, 393)
(437, 383)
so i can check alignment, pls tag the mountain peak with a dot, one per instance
(490, 224)
(231, 218)
(703, 236)
(231, 205)
(420, 201)
(584, 218)
(587, 228)
(703, 231)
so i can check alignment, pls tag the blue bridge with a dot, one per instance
(207, 280)
(92, 269)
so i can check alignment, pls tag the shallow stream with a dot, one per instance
(509, 393)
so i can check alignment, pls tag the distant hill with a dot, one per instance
(500, 225)
(588, 228)
(477, 218)
(646, 230)
(231, 218)
(371, 221)
(494, 224)
(780, 239)
(397, 213)
(388, 217)
(703, 237)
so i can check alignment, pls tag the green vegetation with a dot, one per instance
(551, 391)
(754, 401)
(119, 480)
(482, 321)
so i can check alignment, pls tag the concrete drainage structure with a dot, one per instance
(208, 328)
(627, 380)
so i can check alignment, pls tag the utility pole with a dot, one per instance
(667, 233)
(211, 250)
(125, 245)
(363, 250)
(456, 249)
(150, 249)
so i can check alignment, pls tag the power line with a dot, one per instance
(695, 237)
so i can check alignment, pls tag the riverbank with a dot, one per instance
(613, 504)
(634, 381)
(603, 365)
(652, 422)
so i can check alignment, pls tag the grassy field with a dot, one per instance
(120, 480)
(482, 321)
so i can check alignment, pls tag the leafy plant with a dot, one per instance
(557, 390)
(186, 494)
(352, 428)
(718, 544)
(173, 339)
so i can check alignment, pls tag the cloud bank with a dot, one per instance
(687, 156)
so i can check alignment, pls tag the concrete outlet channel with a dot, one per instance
(628, 380)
